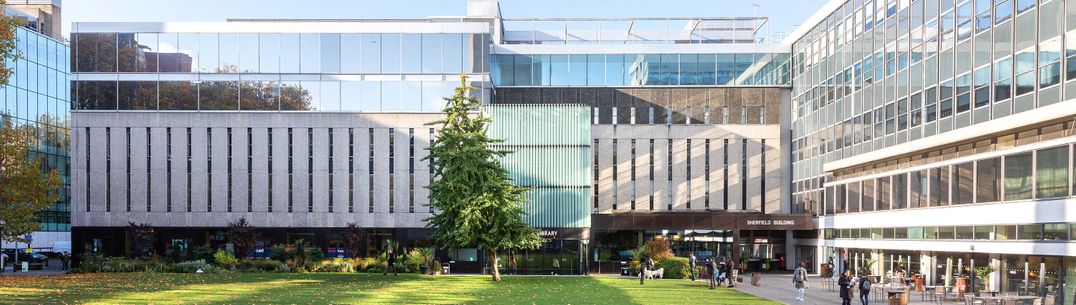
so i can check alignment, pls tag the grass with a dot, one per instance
(351, 288)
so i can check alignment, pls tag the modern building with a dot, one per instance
(626, 130)
(36, 98)
(936, 137)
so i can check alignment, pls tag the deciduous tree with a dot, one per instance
(474, 202)
(26, 185)
(243, 235)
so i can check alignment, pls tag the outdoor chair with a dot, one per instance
(969, 299)
(939, 298)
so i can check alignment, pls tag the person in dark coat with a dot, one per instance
(730, 266)
(845, 282)
(391, 262)
(691, 263)
(711, 271)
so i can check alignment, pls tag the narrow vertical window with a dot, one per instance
(687, 115)
(725, 188)
(291, 170)
(762, 173)
(351, 170)
(250, 170)
(706, 172)
(331, 155)
(743, 114)
(209, 168)
(614, 115)
(743, 175)
(309, 170)
(651, 174)
(632, 109)
(633, 174)
(669, 173)
(615, 173)
(724, 114)
(108, 169)
(668, 115)
(706, 115)
(688, 178)
(762, 115)
(149, 174)
(650, 115)
(128, 160)
(229, 169)
(168, 166)
(269, 163)
(429, 164)
(411, 170)
(392, 170)
(594, 164)
(188, 169)
(88, 176)
(370, 170)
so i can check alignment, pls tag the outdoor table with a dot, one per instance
(898, 296)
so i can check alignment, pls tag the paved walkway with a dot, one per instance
(778, 287)
(52, 269)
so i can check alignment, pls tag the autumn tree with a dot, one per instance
(475, 204)
(8, 52)
(353, 238)
(243, 235)
(143, 236)
(26, 185)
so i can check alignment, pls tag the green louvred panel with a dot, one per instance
(550, 147)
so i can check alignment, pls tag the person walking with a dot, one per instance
(799, 279)
(65, 261)
(390, 262)
(691, 263)
(645, 265)
(845, 281)
(731, 273)
(864, 289)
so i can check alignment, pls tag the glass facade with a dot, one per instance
(359, 72)
(878, 73)
(36, 98)
(610, 70)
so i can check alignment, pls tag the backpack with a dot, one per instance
(865, 285)
(801, 275)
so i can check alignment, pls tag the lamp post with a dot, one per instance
(2, 224)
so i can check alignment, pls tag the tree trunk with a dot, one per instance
(496, 272)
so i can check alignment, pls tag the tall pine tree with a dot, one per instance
(474, 202)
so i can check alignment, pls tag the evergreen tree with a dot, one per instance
(475, 204)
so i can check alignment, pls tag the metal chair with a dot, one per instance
(969, 299)
(939, 298)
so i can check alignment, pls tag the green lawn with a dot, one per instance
(351, 288)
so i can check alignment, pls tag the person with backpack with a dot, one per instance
(711, 271)
(864, 289)
(799, 279)
(644, 265)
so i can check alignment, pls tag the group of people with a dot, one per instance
(719, 270)
(848, 283)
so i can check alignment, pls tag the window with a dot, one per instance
(987, 180)
(962, 183)
(900, 191)
(939, 186)
(884, 192)
(1018, 176)
(1055, 231)
(1051, 172)
(1032, 232)
(868, 195)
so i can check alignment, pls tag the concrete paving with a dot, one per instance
(778, 287)
(54, 268)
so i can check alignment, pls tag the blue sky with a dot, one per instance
(784, 14)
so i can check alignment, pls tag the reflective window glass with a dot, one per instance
(186, 56)
(269, 56)
(290, 53)
(371, 96)
(705, 70)
(370, 45)
(248, 53)
(350, 53)
(411, 53)
(253, 95)
(294, 97)
(614, 70)
(596, 70)
(521, 69)
(433, 96)
(411, 96)
(330, 53)
(987, 180)
(431, 53)
(962, 183)
(90, 95)
(1051, 172)
(577, 70)
(209, 57)
(1018, 176)
(330, 96)
(559, 70)
(137, 52)
(351, 96)
(390, 54)
(310, 54)
(313, 88)
(229, 53)
(183, 95)
(391, 96)
(212, 95)
(452, 53)
(135, 95)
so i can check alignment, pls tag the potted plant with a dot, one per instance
(983, 273)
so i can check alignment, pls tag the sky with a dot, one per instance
(784, 14)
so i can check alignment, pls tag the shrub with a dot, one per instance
(193, 266)
(283, 267)
(335, 265)
(224, 259)
(264, 265)
(675, 267)
(98, 263)
(658, 249)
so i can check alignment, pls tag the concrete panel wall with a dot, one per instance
(152, 194)
(681, 193)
